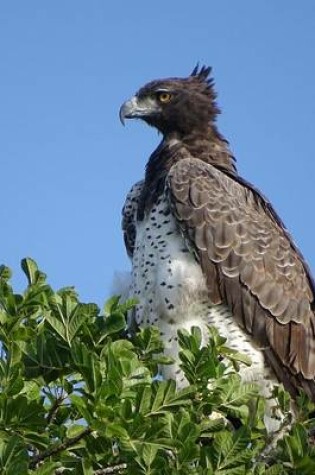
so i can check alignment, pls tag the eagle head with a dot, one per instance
(175, 104)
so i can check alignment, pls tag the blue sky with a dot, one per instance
(66, 161)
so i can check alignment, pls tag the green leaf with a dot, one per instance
(148, 340)
(3, 317)
(46, 356)
(88, 365)
(231, 450)
(166, 399)
(116, 430)
(48, 468)
(149, 452)
(81, 405)
(144, 400)
(75, 430)
(276, 469)
(21, 413)
(111, 305)
(57, 324)
(66, 318)
(34, 276)
(13, 456)
(76, 320)
(5, 273)
(30, 269)
(114, 323)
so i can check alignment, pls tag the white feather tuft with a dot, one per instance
(121, 285)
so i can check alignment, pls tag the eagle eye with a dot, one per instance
(164, 97)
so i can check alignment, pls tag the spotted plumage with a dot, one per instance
(171, 287)
(208, 248)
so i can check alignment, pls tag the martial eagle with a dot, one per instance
(207, 248)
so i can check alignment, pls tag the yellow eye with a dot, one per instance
(164, 97)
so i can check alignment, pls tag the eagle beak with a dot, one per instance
(136, 109)
(128, 110)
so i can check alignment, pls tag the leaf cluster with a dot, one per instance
(79, 396)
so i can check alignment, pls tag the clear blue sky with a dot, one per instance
(67, 163)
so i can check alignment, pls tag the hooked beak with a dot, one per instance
(137, 109)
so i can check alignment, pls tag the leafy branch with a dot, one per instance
(78, 396)
(68, 443)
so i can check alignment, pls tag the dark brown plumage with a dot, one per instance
(245, 252)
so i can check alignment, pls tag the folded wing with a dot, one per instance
(251, 264)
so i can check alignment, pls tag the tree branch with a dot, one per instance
(100, 471)
(109, 470)
(58, 448)
(53, 410)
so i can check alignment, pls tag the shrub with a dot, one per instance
(78, 396)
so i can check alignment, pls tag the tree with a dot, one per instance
(78, 396)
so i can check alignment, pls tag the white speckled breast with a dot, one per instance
(165, 274)
(171, 289)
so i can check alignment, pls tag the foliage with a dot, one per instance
(77, 396)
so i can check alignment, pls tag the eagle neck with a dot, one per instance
(211, 147)
(208, 146)
(169, 152)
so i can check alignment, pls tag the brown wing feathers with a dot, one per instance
(242, 246)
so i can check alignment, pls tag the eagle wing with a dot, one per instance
(251, 264)
(129, 217)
